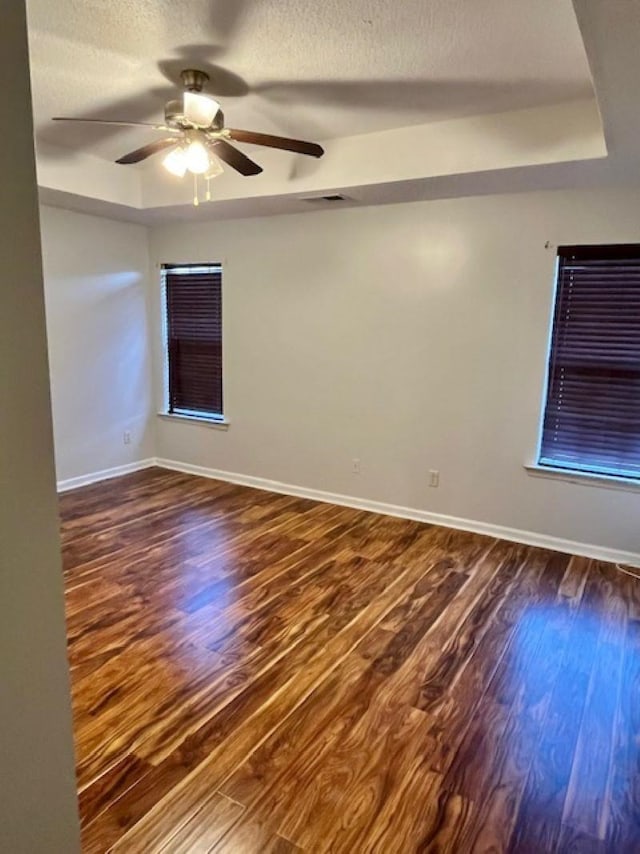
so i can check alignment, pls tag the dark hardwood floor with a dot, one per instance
(259, 673)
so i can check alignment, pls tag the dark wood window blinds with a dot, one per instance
(592, 414)
(193, 300)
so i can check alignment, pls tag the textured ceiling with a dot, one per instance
(302, 67)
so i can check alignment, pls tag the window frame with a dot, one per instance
(188, 415)
(544, 465)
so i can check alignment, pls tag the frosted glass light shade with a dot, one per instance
(176, 162)
(197, 158)
(215, 168)
(199, 110)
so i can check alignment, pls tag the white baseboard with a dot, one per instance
(529, 538)
(105, 474)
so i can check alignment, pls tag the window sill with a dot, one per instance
(216, 423)
(584, 478)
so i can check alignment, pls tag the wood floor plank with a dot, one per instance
(496, 752)
(455, 712)
(250, 720)
(85, 509)
(444, 621)
(207, 827)
(217, 524)
(426, 818)
(246, 836)
(262, 673)
(539, 819)
(623, 826)
(573, 841)
(195, 749)
(328, 713)
(268, 663)
(110, 786)
(586, 804)
(167, 680)
(439, 674)
(311, 752)
(361, 778)
(142, 498)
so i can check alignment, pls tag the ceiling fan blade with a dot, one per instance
(146, 151)
(236, 159)
(151, 125)
(298, 145)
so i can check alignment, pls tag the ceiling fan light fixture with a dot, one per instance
(199, 110)
(176, 162)
(215, 169)
(197, 158)
(196, 139)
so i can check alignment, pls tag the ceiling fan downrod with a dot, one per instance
(194, 80)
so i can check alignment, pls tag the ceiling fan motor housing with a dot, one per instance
(194, 80)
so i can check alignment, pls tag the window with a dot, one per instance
(193, 323)
(592, 413)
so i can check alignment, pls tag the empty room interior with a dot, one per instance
(320, 415)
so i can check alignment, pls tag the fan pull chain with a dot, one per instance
(196, 200)
(208, 193)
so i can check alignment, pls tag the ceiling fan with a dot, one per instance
(194, 131)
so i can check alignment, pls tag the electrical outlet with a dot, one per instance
(355, 465)
(126, 437)
(434, 477)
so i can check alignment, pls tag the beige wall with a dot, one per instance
(411, 337)
(37, 785)
(95, 273)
